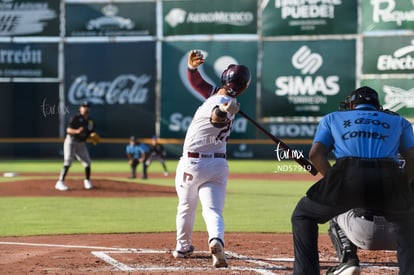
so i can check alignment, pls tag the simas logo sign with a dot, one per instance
(307, 90)
(24, 17)
(386, 11)
(400, 60)
(124, 89)
(397, 98)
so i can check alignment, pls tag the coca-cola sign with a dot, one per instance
(123, 89)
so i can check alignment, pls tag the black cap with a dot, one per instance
(365, 95)
(132, 138)
(86, 104)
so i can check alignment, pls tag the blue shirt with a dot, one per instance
(134, 150)
(365, 132)
(144, 148)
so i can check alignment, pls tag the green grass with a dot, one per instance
(251, 205)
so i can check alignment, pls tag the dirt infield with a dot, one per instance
(248, 253)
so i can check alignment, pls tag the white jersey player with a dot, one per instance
(202, 170)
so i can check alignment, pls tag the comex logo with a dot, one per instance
(400, 60)
(306, 61)
(397, 98)
(175, 17)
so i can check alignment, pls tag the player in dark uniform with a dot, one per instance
(144, 158)
(366, 142)
(157, 152)
(80, 127)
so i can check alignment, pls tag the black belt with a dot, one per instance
(206, 155)
(371, 163)
(367, 214)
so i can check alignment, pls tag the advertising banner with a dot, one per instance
(309, 17)
(395, 94)
(306, 78)
(384, 15)
(32, 60)
(182, 17)
(179, 100)
(388, 55)
(29, 18)
(32, 110)
(110, 19)
(119, 80)
(293, 130)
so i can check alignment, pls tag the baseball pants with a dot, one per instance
(204, 180)
(72, 149)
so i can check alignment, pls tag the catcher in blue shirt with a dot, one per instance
(366, 142)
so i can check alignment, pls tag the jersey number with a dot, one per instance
(224, 133)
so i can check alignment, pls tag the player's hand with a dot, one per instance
(80, 130)
(232, 107)
(195, 59)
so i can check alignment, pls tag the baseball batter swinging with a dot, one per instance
(80, 128)
(202, 170)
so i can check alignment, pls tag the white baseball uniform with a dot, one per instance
(202, 174)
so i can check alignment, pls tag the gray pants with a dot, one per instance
(72, 149)
(375, 234)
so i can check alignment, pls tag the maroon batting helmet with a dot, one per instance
(236, 79)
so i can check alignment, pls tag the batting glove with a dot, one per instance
(232, 107)
(195, 59)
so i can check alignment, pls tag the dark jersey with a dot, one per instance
(158, 150)
(88, 126)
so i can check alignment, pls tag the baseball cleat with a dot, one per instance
(217, 253)
(183, 254)
(60, 185)
(349, 268)
(87, 184)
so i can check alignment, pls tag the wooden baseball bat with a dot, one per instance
(306, 164)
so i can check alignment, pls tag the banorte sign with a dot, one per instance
(124, 89)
